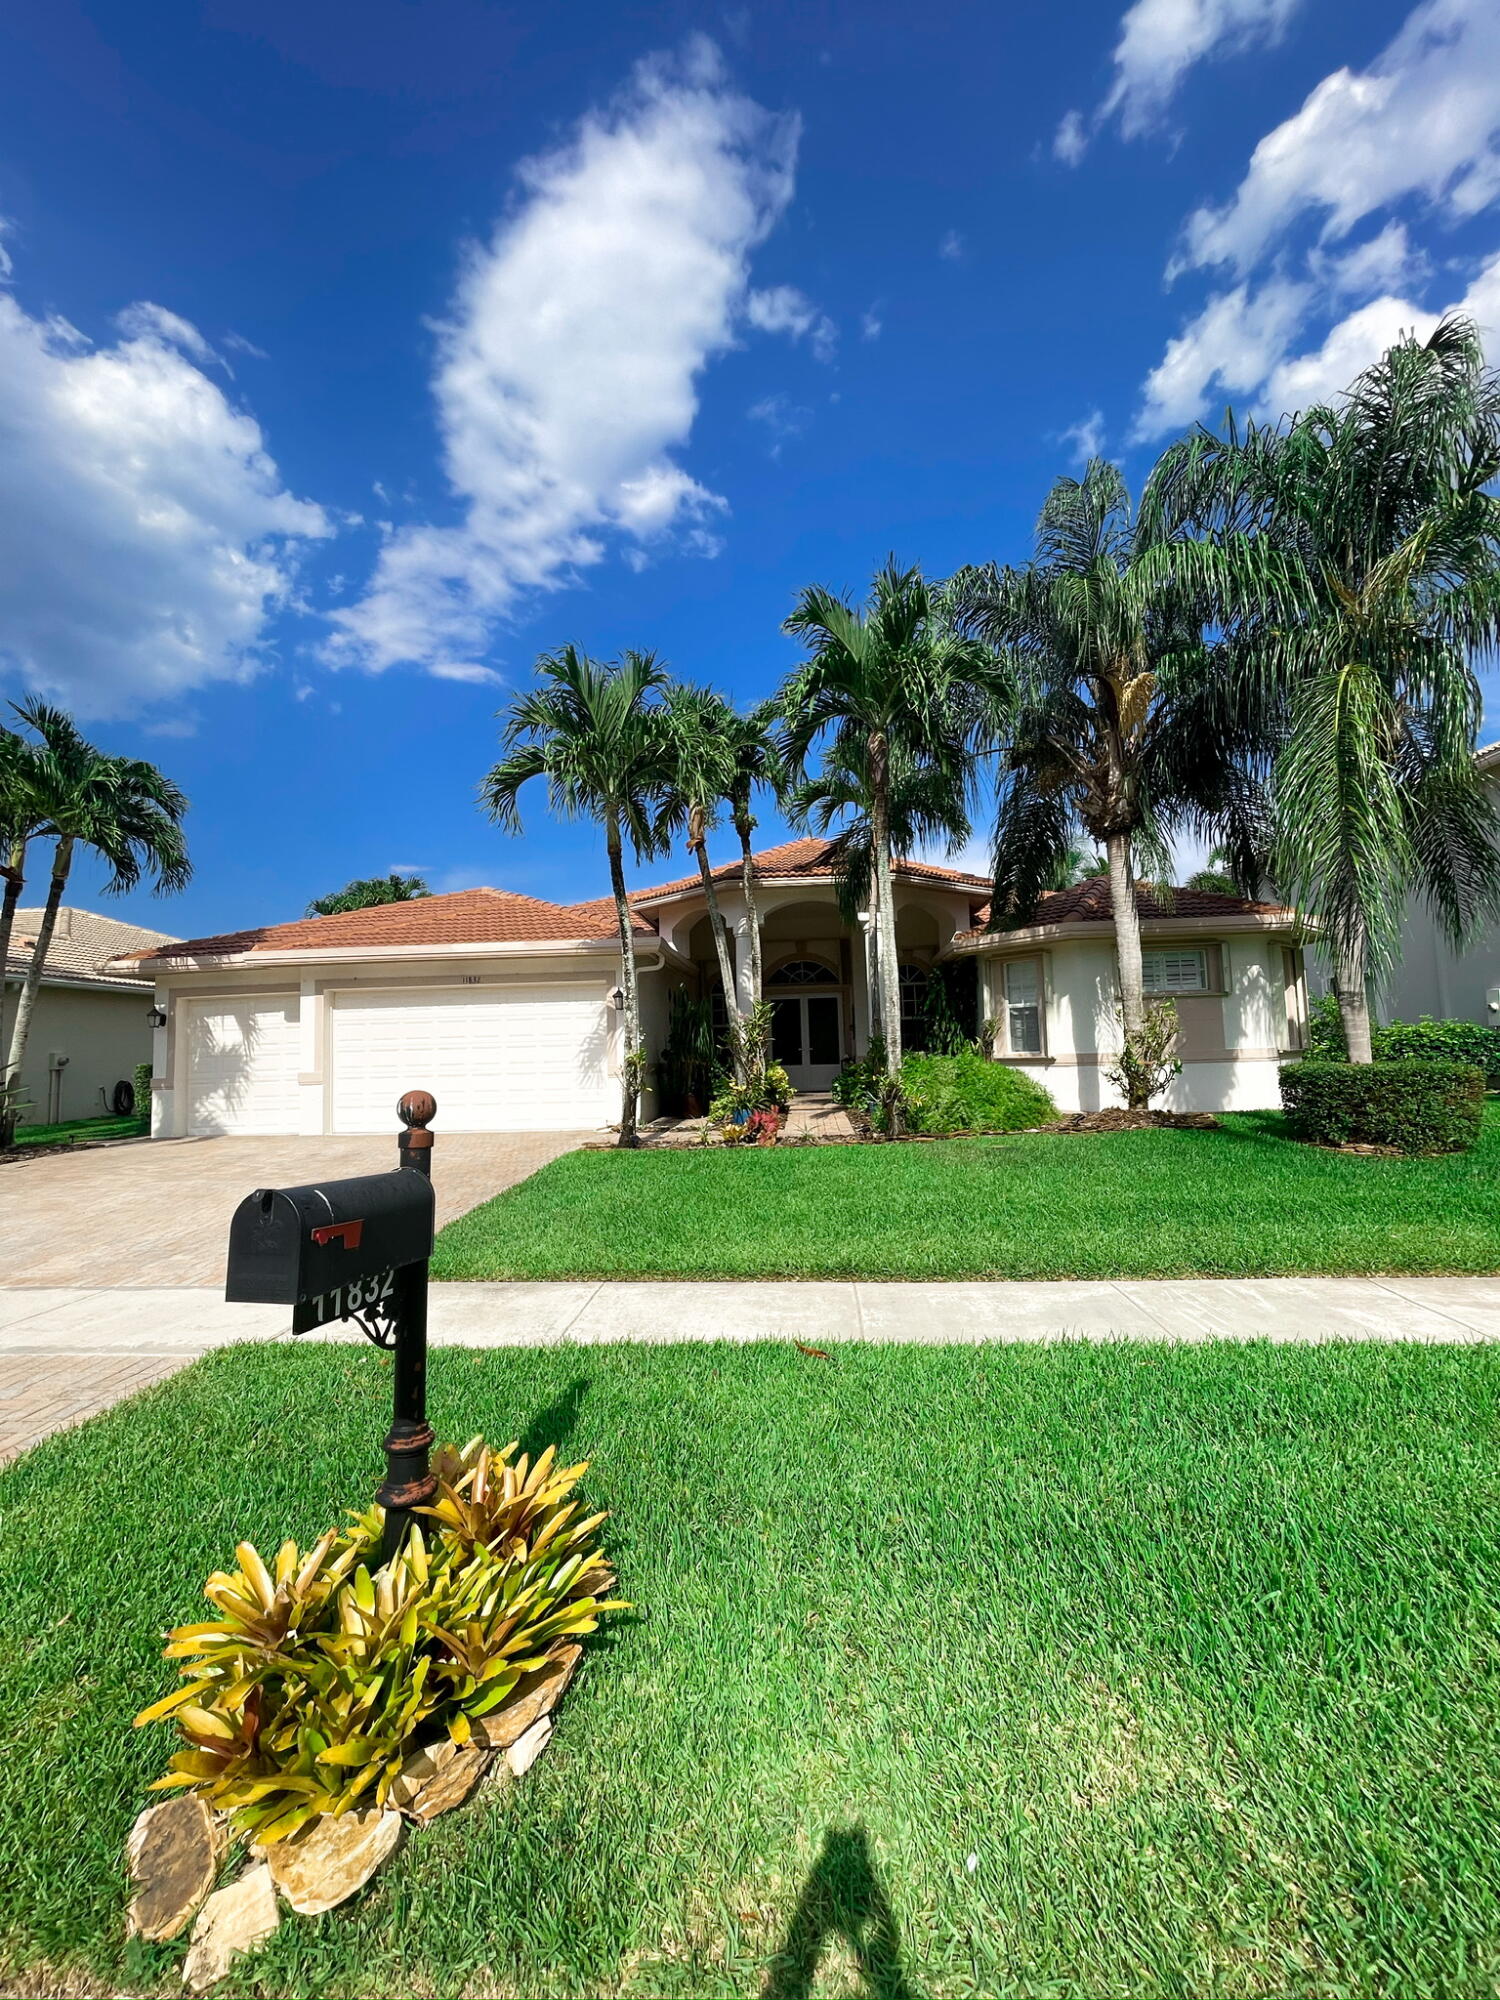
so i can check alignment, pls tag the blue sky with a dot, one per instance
(351, 356)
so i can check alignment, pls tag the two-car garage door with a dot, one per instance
(531, 1060)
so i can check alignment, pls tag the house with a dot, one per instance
(1431, 977)
(90, 1027)
(507, 1007)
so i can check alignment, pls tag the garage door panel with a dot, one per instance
(242, 1059)
(496, 1062)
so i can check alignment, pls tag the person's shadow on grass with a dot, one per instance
(556, 1423)
(842, 1898)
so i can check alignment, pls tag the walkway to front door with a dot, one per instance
(807, 1036)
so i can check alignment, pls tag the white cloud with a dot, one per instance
(1379, 265)
(463, 670)
(1422, 120)
(1160, 41)
(952, 246)
(567, 370)
(782, 418)
(871, 325)
(1086, 437)
(783, 309)
(144, 321)
(1071, 140)
(1243, 344)
(145, 533)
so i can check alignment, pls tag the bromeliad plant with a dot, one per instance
(319, 1676)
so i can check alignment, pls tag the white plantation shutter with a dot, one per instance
(1174, 971)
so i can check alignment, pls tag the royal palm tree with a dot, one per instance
(896, 693)
(1353, 552)
(119, 808)
(594, 731)
(701, 770)
(1123, 729)
(20, 820)
(757, 766)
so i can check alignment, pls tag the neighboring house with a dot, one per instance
(1431, 977)
(506, 1007)
(90, 1027)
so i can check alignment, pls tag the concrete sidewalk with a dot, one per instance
(66, 1354)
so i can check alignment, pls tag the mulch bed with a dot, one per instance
(1119, 1119)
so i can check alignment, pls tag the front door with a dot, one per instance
(807, 1038)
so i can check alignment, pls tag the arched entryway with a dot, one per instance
(807, 1019)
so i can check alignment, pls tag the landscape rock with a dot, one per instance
(524, 1752)
(436, 1779)
(532, 1697)
(173, 1855)
(233, 1921)
(326, 1861)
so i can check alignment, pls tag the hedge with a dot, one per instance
(1438, 1041)
(968, 1092)
(1415, 1105)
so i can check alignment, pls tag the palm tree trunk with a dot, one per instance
(885, 910)
(630, 1080)
(15, 882)
(747, 879)
(1354, 1003)
(1127, 942)
(720, 932)
(62, 861)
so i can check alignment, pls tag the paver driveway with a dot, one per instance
(157, 1212)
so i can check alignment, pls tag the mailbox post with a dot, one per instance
(357, 1249)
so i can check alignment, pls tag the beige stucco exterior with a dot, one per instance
(84, 1039)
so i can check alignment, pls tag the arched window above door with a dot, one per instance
(803, 972)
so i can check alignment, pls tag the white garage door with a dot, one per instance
(242, 1058)
(530, 1061)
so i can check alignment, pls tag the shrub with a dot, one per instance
(1414, 1105)
(1438, 1041)
(1148, 1059)
(969, 1093)
(140, 1083)
(320, 1674)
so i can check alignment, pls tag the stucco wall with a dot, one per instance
(104, 1035)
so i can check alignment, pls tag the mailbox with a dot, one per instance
(331, 1249)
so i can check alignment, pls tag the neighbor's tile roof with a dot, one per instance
(469, 916)
(1087, 902)
(806, 857)
(82, 944)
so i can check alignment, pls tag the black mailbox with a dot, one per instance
(332, 1249)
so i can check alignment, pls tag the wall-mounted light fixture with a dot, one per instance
(615, 998)
(156, 1017)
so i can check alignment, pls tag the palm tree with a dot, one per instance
(700, 750)
(595, 732)
(1354, 552)
(900, 695)
(757, 766)
(122, 809)
(20, 821)
(1122, 730)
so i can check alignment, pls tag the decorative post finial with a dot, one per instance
(416, 1111)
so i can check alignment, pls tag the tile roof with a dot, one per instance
(468, 916)
(1088, 902)
(82, 945)
(806, 857)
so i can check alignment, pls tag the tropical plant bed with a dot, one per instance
(1120, 1119)
(1063, 1670)
(1242, 1200)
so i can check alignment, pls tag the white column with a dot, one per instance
(310, 1091)
(161, 1105)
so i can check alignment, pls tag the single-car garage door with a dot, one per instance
(242, 1060)
(532, 1060)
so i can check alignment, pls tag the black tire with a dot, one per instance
(122, 1099)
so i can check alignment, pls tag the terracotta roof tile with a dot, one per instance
(469, 916)
(83, 944)
(1088, 902)
(805, 857)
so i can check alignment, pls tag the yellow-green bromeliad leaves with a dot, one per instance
(324, 1670)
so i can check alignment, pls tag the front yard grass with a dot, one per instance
(1059, 1671)
(83, 1131)
(1242, 1201)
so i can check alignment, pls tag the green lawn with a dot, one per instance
(84, 1129)
(1241, 1200)
(1071, 1670)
